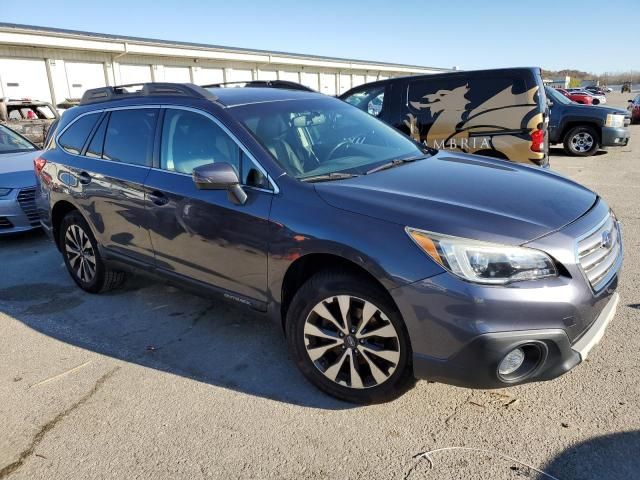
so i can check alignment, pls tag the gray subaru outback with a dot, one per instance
(381, 259)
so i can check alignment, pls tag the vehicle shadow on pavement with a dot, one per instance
(154, 325)
(611, 457)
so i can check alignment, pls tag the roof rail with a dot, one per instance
(263, 83)
(104, 94)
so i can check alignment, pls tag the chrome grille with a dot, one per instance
(600, 251)
(27, 201)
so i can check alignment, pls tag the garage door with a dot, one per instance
(177, 74)
(345, 82)
(207, 76)
(239, 75)
(289, 76)
(82, 76)
(310, 80)
(24, 79)
(135, 74)
(267, 75)
(357, 80)
(328, 83)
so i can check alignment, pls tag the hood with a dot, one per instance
(16, 169)
(602, 109)
(465, 195)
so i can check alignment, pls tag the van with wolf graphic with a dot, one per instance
(499, 113)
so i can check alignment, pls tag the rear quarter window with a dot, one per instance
(75, 136)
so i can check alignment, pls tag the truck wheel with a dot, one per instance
(581, 141)
(82, 257)
(348, 339)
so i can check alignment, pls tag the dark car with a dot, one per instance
(381, 259)
(498, 113)
(584, 129)
(634, 109)
(30, 118)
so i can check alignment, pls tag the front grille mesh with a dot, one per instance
(598, 252)
(27, 201)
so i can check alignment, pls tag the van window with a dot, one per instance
(74, 137)
(129, 137)
(368, 99)
(190, 140)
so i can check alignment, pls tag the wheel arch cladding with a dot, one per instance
(303, 268)
(58, 212)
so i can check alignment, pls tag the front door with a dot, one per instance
(203, 234)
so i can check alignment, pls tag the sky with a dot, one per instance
(594, 36)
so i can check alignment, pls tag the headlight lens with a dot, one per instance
(4, 192)
(614, 120)
(483, 262)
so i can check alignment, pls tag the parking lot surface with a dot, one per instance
(152, 382)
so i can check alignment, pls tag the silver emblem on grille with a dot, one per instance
(606, 241)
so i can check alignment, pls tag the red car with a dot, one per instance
(582, 98)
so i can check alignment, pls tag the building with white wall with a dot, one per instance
(56, 65)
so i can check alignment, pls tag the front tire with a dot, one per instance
(581, 141)
(82, 257)
(348, 338)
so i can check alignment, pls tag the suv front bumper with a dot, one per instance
(476, 365)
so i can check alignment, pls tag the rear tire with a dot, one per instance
(581, 141)
(349, 356)
(82, 257)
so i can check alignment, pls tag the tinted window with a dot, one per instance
(97, 142)
(74, 138)
(12, 142)
(129, 137)
(190, 140)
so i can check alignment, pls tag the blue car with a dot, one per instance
(381, 259)
(17, 183)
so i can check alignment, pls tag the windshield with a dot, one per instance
(556, 96)
(323, 136)
(11, 142)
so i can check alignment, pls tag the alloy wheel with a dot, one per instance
(352, 342)
(80, 253)
(582, 142)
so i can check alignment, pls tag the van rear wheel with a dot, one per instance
(581, 141)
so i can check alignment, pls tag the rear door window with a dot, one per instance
(94, 149)
(130, 135)
(74, 137)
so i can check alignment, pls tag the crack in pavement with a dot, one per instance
(47, 427)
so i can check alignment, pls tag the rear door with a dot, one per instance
(108, 172)
(203, 234)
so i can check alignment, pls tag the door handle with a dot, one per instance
(84, 178)
(158, 198)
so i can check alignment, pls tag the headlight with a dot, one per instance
(4, 192)
(482, 262)
(614, 120)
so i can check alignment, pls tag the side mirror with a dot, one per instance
(219, 176)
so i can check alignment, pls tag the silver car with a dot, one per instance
(17, 183)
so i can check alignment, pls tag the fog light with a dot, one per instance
(511, 362)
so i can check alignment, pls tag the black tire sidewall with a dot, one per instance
(327, 284)
(96, 284)
(575, 131)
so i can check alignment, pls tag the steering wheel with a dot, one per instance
(342, 144)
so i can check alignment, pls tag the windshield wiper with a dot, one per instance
(327, 177)
(395, 163)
